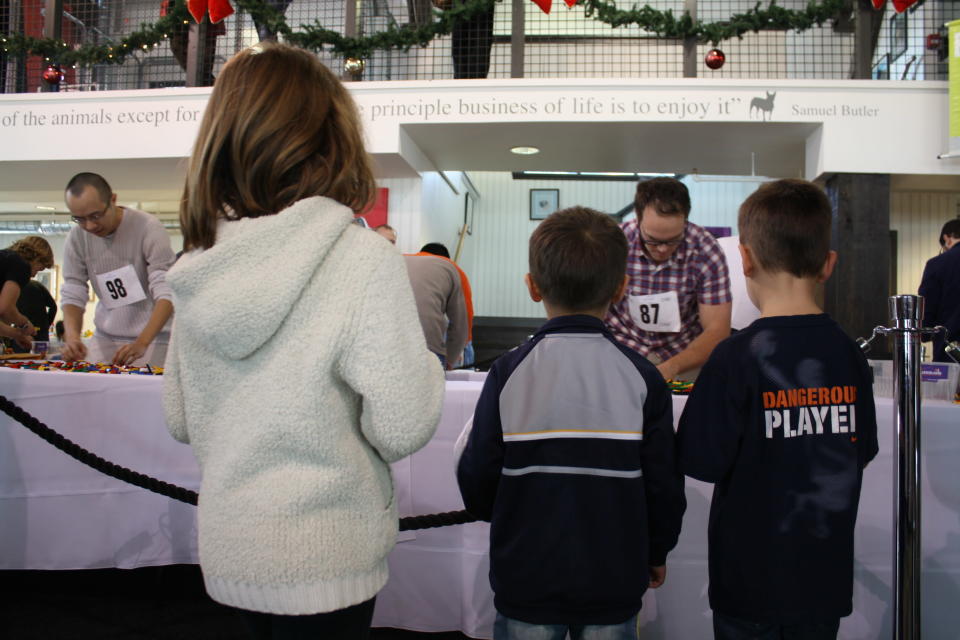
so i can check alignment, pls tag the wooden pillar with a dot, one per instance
(518, 35)
(350, 30)
(690, 44)
(867, 24)
(52, 28)
(856, 294)
(196, 54)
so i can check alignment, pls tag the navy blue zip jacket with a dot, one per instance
(571, 459)
(940, 287)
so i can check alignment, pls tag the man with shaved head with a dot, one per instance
(125, 254)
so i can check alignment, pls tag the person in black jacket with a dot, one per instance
(570, 455)
(940, 287)
(782, 421)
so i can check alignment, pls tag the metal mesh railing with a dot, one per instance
(564, 44)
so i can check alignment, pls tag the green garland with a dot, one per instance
(53, 50)
(315, 37)
(664, 25)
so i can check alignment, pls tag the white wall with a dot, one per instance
(494, 256)
(442, 210)
(403, 210)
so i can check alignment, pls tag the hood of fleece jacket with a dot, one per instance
(236, 294)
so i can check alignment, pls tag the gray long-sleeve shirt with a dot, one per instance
(439, 297)
(141, 242)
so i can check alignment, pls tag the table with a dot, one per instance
(57, 514)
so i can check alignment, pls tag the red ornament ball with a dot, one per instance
(715, 59)
(53, 74)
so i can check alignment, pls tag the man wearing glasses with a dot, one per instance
(678, 301)
(124, 254)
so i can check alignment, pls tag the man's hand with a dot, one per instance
(657, 576)
(73, 349)
(668, 370)
(129, 352)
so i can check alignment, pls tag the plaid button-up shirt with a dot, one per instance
(697, 271)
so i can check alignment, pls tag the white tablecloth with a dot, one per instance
(58, 514)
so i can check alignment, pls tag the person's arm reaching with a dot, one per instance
(159, 257)
(126, 354)
(715, 320)
(73, 347)
(73, 298)
(9, 313)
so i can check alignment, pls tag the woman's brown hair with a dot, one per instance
(34, 249)
(279, 127)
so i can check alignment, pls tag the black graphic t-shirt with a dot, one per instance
(14, 268)
(782, 420)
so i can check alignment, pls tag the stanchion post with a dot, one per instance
(906, 313)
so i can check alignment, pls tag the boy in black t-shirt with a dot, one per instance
(782, 420)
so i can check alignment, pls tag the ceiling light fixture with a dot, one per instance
(524, 151)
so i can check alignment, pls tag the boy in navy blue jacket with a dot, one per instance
(571, 452)
(782, 420)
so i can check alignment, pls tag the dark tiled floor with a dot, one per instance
(157, 603)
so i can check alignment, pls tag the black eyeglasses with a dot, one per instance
(90, 217)
(673, 242)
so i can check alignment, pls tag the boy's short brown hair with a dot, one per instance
(786, 224)
(578, 258)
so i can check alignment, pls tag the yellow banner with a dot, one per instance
(954, 77)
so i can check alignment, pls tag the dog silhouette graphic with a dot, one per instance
(763, 106)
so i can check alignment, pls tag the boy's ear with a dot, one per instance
(828, 266)
(746, 256)
(532, 288)
(621, 290)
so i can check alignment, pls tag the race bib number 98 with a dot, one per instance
(658, 312)
(119, 288)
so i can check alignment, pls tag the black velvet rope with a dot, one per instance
(143, 481)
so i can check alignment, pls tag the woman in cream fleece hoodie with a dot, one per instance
(297, 369)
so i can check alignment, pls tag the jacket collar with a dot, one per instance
(576, 323)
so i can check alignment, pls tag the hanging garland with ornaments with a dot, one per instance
(665, 25)
(58, 51)
(316, 37)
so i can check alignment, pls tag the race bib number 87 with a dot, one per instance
(658, 312)
(119, 288)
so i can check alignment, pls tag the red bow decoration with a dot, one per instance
(898, 5)
(219, 9)
(546, 5)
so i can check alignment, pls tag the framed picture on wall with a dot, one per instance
(543, 202)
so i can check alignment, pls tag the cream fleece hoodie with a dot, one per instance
(297, 370)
